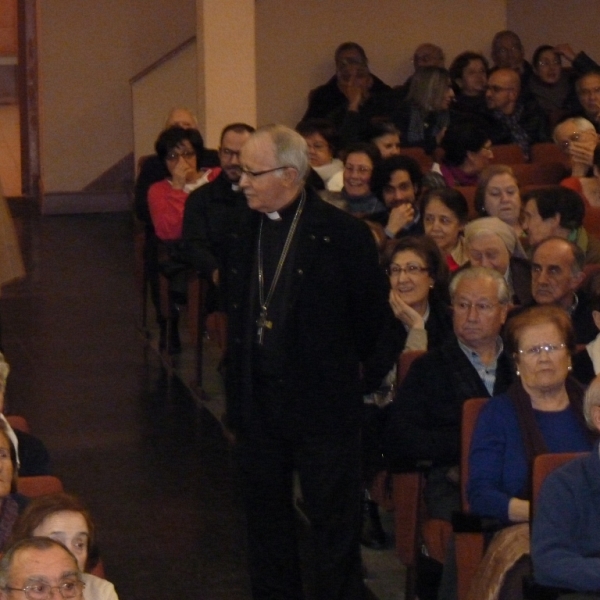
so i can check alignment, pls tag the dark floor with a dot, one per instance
(155, 470)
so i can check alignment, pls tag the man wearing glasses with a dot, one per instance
(39, 569)
(306, 304)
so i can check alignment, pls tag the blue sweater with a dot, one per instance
(565, 542)
(498, 469)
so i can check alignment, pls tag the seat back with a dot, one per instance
(405, 360)
(425, 161)
(470, 412)
(469, 191)
(507, 154)
(548, 152)
(18, 422)
(543, 173)
(39, 485)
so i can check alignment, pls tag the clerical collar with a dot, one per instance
(286, 213)
(274, 216)
(235, 187)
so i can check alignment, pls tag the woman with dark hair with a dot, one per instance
(553, 86)
(445, 214)
(468, 73)
(360, 160)
(557, 211)
(65, 519)
(323, 143)
(424, 116)
(467, 152)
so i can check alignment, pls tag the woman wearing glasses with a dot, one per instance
(540, 413)
(63, 517)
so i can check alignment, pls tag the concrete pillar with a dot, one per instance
(226, 65)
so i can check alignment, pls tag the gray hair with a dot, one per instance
(4, 371)
(581, 124)
(591, 399)
(290, 148)
(481, 273)
(35, 543)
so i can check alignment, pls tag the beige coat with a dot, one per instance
(11, 261)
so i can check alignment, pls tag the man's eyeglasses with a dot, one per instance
(495, 89)
(186, 154)
(255, 174)
(41, 591)
(481, 307)
(574, 137)
(230, 153)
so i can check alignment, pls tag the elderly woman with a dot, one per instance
(424, 116)
(63, 517)
(587, 187)
(445, 214)
(323, 141)
(557, 211)
(498, 195)
(467, 152)
(492, 243)
(386, 137)
(468, 72)
(542, 412)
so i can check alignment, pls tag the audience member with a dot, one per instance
(445, 214)
(210, 211)
(557, 211)
(467, 152)
(425, 416)
(492, 243)
(424, 115)
(31, 455)
(36, 566)
(588, 94)
(397, 183)
(510, 119)
(468, 72)
(578, 139)
(587, 187)
(565, 539)
(358, 198)
(323, 144)
(65, 519)
(508, 53)
(386, 137)
(425, 55)
(554, 87)
(352, 79)
(586, 363)
(556, 277)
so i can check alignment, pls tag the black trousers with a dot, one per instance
(330, 478)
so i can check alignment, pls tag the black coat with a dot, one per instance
(337, 304)
(424, 419)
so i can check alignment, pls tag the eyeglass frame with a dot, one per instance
(254, 174)
(78, 583)
(536, 351)
(175, 156)
(399, 270)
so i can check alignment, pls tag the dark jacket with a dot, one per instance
(337, 304)
(424, 419)
(328, 98)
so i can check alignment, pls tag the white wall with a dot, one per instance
(88, 51)
(296, 41)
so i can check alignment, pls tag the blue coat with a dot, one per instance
(565, 543)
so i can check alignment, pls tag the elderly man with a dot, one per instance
(397, 183)
(565, 543)
(306, 305)
(352, 83)
(557, 211)
(425, 55)
(210, 210)
(556, 274)
(425, 417)
(577, 138)
(34, 567)
(511, 119)
(588, 93)
(508, 53)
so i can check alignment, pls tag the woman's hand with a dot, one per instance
(181, 174)
(403, 312)
(518, 510)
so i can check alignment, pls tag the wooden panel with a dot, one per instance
(8, 28)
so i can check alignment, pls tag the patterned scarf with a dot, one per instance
(518, 134)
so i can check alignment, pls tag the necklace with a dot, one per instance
(263, 322)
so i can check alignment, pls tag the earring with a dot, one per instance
(431, 286)
(570, 368)
(518, 373)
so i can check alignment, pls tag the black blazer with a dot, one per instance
(336, 308)
(424, 419)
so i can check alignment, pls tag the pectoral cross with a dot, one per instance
(262, 322)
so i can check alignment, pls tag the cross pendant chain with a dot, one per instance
(262, 322)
